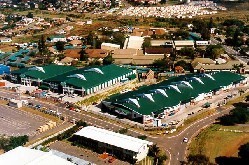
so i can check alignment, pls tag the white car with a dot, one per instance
(185, 140)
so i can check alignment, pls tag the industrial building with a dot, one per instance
(170, 95)
(124, 147)
(24, 156)
(69, 79)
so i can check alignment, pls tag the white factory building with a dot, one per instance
(125, 147)
(27, 156)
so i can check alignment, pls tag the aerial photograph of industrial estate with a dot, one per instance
(124, 82)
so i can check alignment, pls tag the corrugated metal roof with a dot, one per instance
(119, 140)
(174, 98)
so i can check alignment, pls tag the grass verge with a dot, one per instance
(36, 112)
(214, 141)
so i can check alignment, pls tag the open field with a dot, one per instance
(14, 122)
(214, 141)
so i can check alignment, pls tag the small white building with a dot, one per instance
(202, 43)
(15, 103)
(178, 45)
(27, 156)
(126, 146)
(57, 38)
(109, 46)
(5, 39)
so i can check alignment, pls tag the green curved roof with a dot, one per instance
(92, 78)
(174, 98)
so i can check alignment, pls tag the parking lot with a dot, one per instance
(14, 122)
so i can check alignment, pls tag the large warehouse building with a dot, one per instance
(68, 79)
(170, 95)
(27, 156)
(125, 147)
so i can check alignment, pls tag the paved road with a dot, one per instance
(174, 145)
(229, 50)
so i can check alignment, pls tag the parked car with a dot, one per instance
(38, 106)
(185, 140)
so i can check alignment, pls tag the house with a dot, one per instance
(123, 146)
(57, 38)
(228, 66)
(99, 54)
(179, 44)
(164, 43)
(133, 42)
(133, 56)
(202, 43)
(5, 39)
(109, 46)
(73, 53)
(179, 69)
(76, 43)
(203, 61)
(24, 156)
(159, 51)
(67, 61)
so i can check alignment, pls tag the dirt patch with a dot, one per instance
(233, 148)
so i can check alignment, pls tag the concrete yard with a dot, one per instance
(14, 122)
(83, 153)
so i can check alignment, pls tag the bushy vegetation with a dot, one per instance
(9, 143)
(237, 116)
(158, 155)
(67, 134)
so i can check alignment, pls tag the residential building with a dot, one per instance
(109, 46)
(179, 44)
(57, 38)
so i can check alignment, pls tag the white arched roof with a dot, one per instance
(40, 69)
(198, 79)
(97, 70)
(175, 88)
(134, 101)
(161, 91)
(187, 84)
(79, 76)
(209, 76)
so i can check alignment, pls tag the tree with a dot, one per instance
(236, 41)
(205, 33)
(181, 34)
(119, 38)
(30, 15)
(147, 42)
(244, 152)
(60, 46)
(211, 23)
(154, 151)
(189, 52)
(184, 64)
(214, 51)
(83, 55)
(198, 160)
(90, 38)
(108, 60)
(42, 47)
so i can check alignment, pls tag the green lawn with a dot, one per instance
(214, 142)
